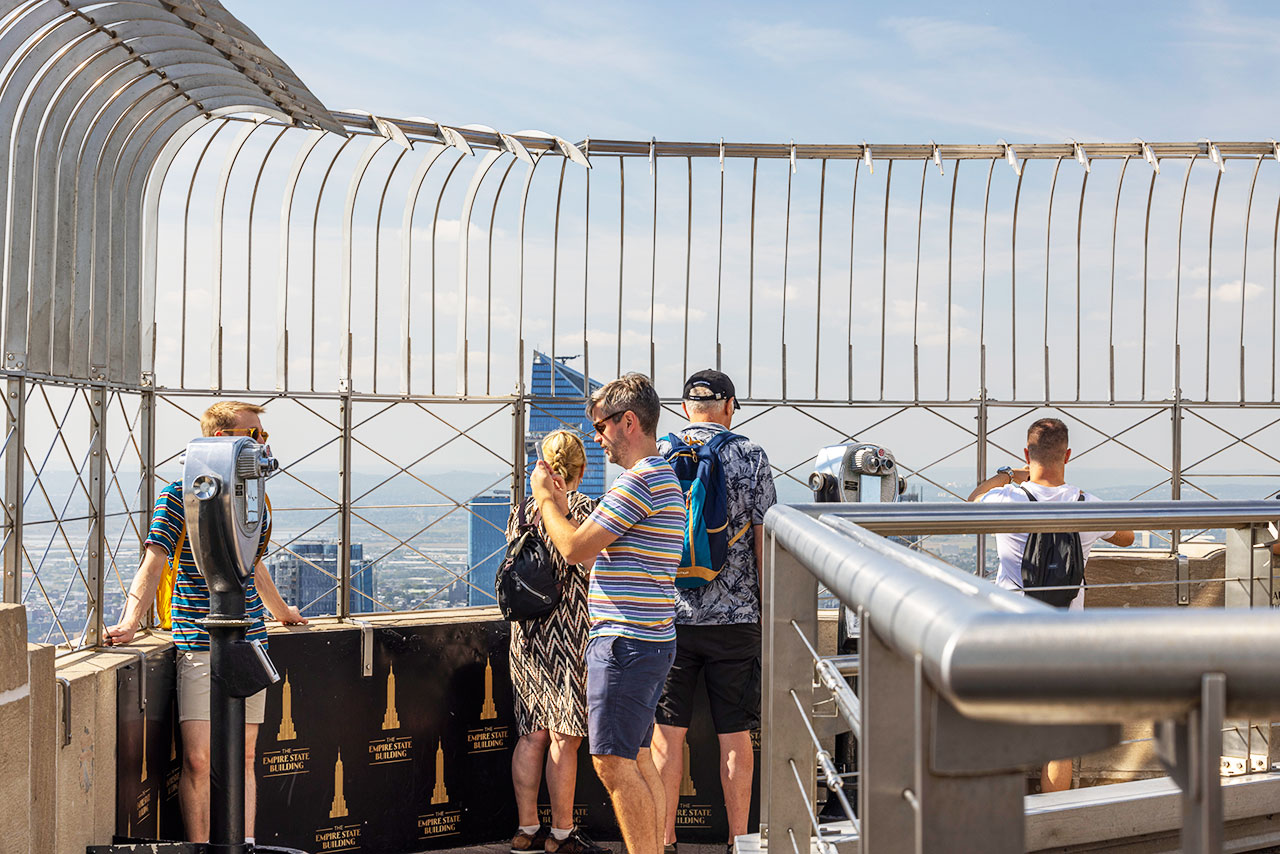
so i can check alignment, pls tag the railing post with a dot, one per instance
(1248, 569)
(887, 781)
(790, 595)
(1191, 751)
(15, 451)
(344, 502)
(981, 474)
(1175, 468)
(97, 541)
(146, 469)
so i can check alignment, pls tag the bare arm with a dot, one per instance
(757, 536)
(997, 480)
(142, 592)
(270, 596)
(1120, 538)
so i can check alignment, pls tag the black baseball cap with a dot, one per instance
(710, 385)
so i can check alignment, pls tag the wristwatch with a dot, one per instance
(1007, 471)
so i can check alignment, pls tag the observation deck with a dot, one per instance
(187, 222)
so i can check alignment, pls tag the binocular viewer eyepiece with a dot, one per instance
(856, 471)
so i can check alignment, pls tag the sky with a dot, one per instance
(813, 72)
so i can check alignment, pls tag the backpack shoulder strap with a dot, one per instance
(1030, 497)
(1081, 496)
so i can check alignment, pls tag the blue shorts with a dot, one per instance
(624, 682)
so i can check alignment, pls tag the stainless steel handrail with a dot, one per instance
(978, 518)
(988, 661)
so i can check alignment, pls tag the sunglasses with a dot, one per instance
(254, 433)
(603, 422)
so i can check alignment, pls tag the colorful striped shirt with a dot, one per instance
(190, 593)
(632, 592)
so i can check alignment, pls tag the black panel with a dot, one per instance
(431, 769)
(147, 793)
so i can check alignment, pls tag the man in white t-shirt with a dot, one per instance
(1044, 477)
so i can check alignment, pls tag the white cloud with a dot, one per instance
(1229, 292)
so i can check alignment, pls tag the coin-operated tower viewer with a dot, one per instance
(224, 498)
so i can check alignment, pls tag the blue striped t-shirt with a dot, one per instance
(190, 593)
(633, 582)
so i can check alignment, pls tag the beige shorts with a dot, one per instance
(193, 691)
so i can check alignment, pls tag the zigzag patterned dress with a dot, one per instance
(548, 668)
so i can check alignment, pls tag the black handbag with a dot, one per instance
(527, 584)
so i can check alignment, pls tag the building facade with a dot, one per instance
(306, 575)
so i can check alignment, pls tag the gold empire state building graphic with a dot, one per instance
(686, 782)
(286, 731)
(391, 720)
(439, 795)
(144, 748)
(488, 711)
(339, 809)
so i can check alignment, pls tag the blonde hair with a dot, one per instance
(566, 454)
(224, 414)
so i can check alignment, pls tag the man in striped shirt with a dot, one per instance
(189, 605)
(635, 537)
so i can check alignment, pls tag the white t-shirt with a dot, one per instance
(1011, 546)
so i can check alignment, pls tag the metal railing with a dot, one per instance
(185, 219)
(962, 685)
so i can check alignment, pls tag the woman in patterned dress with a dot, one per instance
(548, 672)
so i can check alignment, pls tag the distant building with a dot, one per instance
(487, 537)
(307, 576)
(560, 395)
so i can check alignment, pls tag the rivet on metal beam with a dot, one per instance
(1215, 155)
(1011, 157)
(392, 131)
(937, 158)
(452, 138)
(1081, 157)
(516, 147)
(1150, 156)
(571, 151)
(866, 157)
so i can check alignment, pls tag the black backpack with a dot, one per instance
(1052, 559)
(527, 584)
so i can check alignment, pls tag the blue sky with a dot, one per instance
(815, 72)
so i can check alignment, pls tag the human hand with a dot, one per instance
(548, 486)
(119, 634)
(1020, 475)
(291, 617)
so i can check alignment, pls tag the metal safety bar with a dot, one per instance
(952, 668)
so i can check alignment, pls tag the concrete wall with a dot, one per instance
(56, 797)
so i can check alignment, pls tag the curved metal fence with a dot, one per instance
(183, 220)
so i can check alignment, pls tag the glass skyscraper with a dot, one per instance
(306, 575)
(557, 398)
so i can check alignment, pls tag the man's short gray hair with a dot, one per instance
(634, 392)
(706, 406)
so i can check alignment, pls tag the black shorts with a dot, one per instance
(730, 658)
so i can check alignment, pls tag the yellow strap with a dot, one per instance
(164, 592)
(738, 535)
(169, 577)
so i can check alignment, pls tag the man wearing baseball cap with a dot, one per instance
(718, 624)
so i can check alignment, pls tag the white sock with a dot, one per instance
(248, 840)
(561, 834)
(530, 829)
